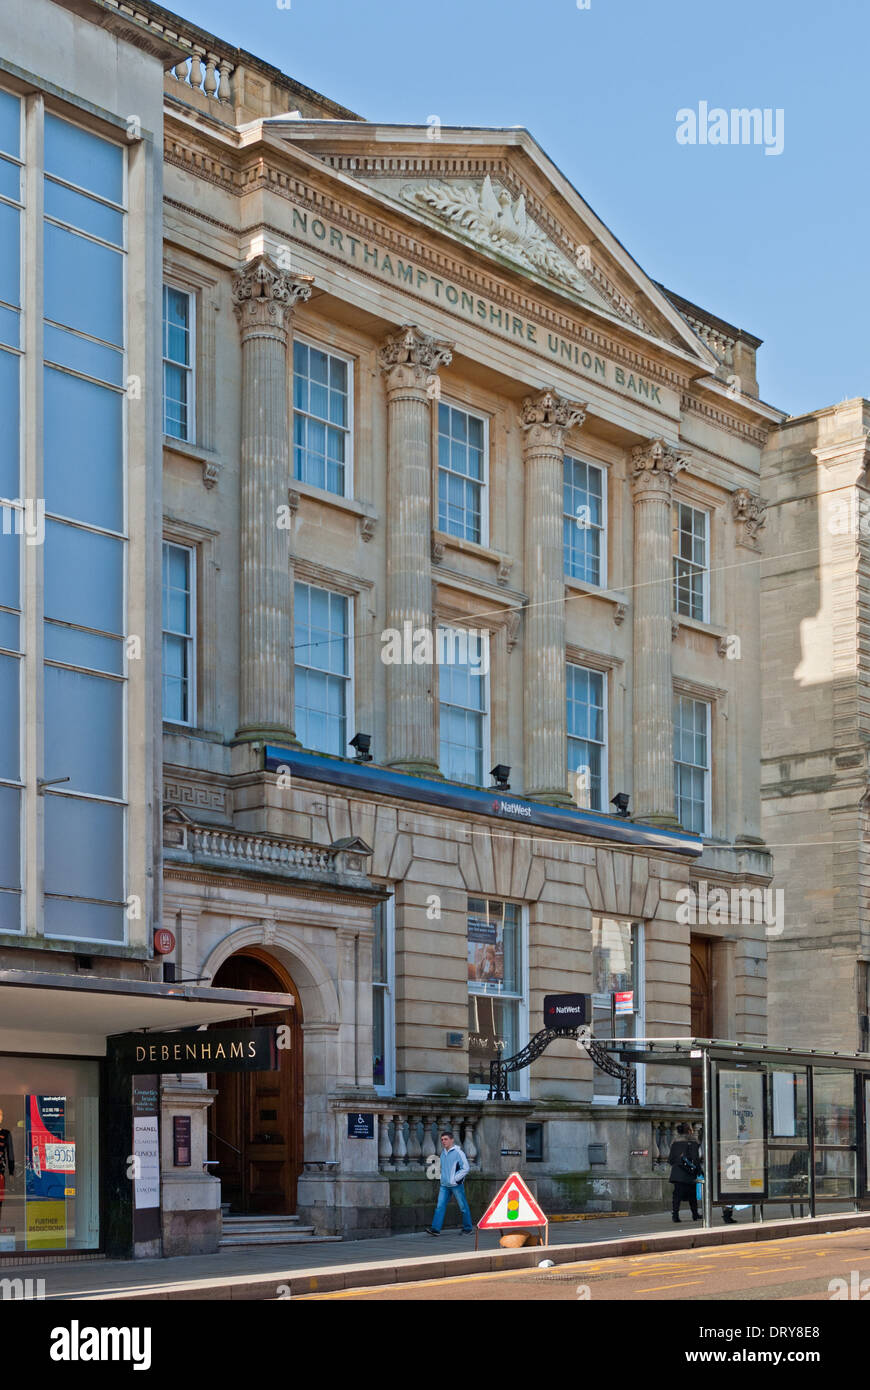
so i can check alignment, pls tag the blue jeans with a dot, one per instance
(444, 1194)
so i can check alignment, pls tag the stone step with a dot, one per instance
(253, 1220)
(305, 1236)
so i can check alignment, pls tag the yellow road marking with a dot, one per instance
(685, 1285)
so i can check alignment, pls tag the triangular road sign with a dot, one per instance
(513, 1205)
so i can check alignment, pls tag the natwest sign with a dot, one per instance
(216, 1049)
(567, 1010)
(511, 808)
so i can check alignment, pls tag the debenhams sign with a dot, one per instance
(218, 1049)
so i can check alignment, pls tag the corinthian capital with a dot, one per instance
(655, 465)
(411, 358)
(547, 416)
(264, 296)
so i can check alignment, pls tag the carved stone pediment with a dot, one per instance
(489, 214)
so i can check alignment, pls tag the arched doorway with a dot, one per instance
(255, 1134)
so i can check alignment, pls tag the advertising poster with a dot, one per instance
(50, 1161)
(741, 1134)
(146, 1149)
(485, 952)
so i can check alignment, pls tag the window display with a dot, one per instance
(49, 1154)
(495, 987)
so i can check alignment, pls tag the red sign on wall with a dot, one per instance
(164, 941)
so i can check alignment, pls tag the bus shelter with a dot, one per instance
(783, 1126)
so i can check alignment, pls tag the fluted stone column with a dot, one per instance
(545, 419)
(410, 360)
(654, 467)
(264, 298)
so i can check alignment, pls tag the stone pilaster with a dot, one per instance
(654, 467)
(545, 418)
(264, 298)
(410, 360)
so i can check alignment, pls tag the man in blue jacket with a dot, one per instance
(454, 1168)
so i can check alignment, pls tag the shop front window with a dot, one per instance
(495, 986)
(49, 1154)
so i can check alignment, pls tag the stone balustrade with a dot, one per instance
(409, 1136)
(260, 850)
(209, 69)
(207, 72)
(664, 1133)
(226, 848)
(716, 340)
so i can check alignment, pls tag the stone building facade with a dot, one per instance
(513, 425)
(814, 761)
(443, 468)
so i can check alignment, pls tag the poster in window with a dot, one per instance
(49, 1155)
(50, 1160)
(741, 1134)
(485, 951)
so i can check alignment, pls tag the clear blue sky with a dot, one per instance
(775, 244)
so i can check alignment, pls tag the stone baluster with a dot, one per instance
(212, 74)
(410, 361)
(655, 465)
(414, 1146)
(469, 1145)
(196, 68)
(385, 1148)
(545, 419)
(181, 70)
(429, 1145)
(656, 1143)
(227, 91)
(264, 299)
(400, 1148)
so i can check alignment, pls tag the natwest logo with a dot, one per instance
(511, 808)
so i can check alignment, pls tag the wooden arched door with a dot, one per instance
(255, 1129)
(701, 985)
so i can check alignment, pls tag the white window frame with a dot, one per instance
(190, 295)
(486, 747)
(603, 529)
(388, 1087)
(639, 928)
(708, 770)
(350, 678)
(190, 637)
(605, 770)
(704, 569)
(484, 481)
(518, 1081)
(349, 460)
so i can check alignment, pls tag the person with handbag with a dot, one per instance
(685, 1161)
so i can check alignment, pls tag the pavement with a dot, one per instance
(281, 1272)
